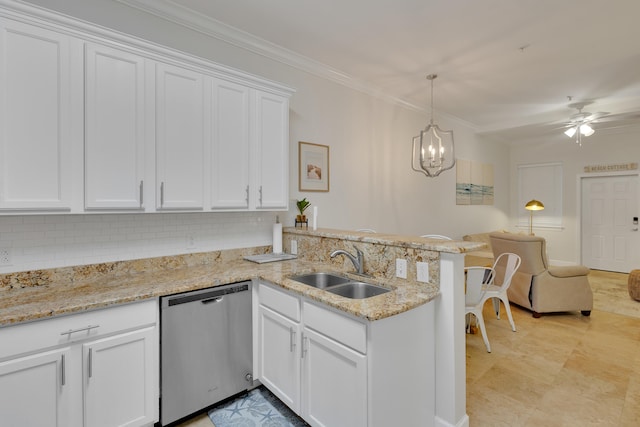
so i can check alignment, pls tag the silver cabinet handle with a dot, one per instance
(260, 198)
(90, 362)
(292, 339)
(63, 373)
(247, 198)
(73, 331)
(304, 348)
(162, 194)
(141, 193)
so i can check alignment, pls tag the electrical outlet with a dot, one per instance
(294, 247)
(422, 270)
(401, 268)
(5, 256)
(191, 241)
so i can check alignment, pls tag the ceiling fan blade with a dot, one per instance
(595, 116)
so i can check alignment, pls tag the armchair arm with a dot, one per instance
(569, 271)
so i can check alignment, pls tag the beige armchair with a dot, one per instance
(538, 286)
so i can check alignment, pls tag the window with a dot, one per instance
(543, 182)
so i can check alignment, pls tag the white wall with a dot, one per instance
(605, 147)
(372, 184)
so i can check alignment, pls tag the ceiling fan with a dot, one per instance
(579, 124)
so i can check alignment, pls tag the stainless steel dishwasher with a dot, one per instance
(205, 348)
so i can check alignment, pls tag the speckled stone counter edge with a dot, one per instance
(32, 295)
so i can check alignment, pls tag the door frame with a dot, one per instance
(579, 181)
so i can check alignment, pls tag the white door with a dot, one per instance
(270, 164)
(279, 356)
(610, 223)
(230, 146)
(34, 390)
(334, 383)
(114, 132)
(35, 146)
(119, 373)
(179, 138)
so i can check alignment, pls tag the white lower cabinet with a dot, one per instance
(92, 369)
(280, 357)
(33, 390)
(338, 371)
(334, 382)
(317, 376)
(120, 371)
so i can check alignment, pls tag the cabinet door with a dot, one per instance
(179, 138)
(230, 146)
(120, 374)
(34, 390)
(35, 146)
(334, 382)
(271, 153)
(114, 132)
(279, 356)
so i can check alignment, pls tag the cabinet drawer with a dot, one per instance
(280, 302)
(41, 334)
(336, 326)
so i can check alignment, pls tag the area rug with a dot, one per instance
(258, 408)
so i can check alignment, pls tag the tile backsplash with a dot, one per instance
(48, 241)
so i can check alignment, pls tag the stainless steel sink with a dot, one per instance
(340, 285)
(321, 280)
(357, 290)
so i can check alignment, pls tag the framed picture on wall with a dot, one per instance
(313, 167)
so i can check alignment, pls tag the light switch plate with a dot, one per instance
(5, 256)
(294, 247)
(401, 268)
(422, 270)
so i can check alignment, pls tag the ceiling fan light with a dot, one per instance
(586, 130)
(570, 132)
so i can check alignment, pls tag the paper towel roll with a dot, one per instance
(315, 218)
(277, 238)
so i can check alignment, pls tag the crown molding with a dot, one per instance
(170, 11)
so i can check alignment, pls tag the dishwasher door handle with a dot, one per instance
(212, 300)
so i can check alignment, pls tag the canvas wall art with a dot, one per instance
(474, 183)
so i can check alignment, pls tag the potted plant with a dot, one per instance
(302, 206)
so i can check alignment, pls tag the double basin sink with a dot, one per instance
(340, 285)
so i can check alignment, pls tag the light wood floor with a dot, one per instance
(562, 370)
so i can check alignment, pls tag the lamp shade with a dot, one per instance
(534, 205)
(586, 130)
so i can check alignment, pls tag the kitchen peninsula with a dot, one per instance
(47, 294)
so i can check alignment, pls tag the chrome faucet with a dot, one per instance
(358, 262)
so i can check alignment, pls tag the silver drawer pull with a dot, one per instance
(211, 300)
(73, 331)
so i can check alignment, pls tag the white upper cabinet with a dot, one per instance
(114, 129)
(180, 144)
(270, 163)
(229, 145)
(93, 121)
(35, 146)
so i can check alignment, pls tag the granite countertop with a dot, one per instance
(28, 303)
(405, 241)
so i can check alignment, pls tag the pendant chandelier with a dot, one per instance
(433, 151)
